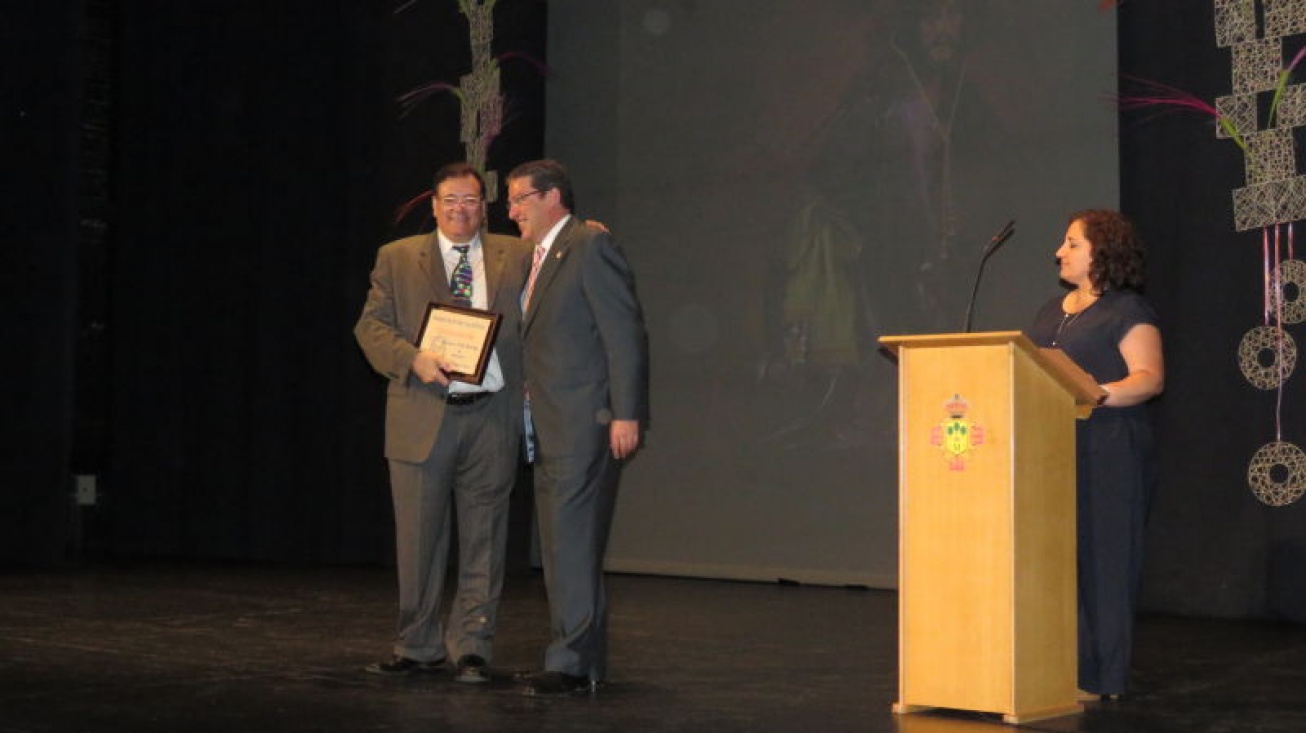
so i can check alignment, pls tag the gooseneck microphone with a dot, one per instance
(1003, 235)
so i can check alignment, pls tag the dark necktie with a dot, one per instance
(461, 282)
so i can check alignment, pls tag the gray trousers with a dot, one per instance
(575, 496)
(471, 468)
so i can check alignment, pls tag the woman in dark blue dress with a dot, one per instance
(1110, 331)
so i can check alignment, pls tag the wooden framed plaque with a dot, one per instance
(463, 337)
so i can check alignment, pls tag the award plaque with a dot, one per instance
(463, 337)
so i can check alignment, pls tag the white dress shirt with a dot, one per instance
(493, 381)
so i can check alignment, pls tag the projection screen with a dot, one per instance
(792, 181)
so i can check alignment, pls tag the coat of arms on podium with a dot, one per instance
(957, 435)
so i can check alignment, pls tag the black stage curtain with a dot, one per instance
(1214, 549)
(263, 155)
(39, 128)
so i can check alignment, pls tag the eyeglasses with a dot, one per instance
(516, 200)
(451, 201)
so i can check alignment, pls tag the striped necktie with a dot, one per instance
(530, 282)
(461, 282)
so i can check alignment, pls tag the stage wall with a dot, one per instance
(792, 182)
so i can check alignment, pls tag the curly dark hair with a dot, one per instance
(1119, 260)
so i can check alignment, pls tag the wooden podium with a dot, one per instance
(986, 566)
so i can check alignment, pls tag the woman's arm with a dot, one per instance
(1141, 349)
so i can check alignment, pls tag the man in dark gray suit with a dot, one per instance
(585, 357)
(448, 442)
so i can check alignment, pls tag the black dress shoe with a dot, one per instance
(397, 666)
(550, 684)
(1083, 696)
(472, 670)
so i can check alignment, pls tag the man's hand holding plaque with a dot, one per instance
(460, 339)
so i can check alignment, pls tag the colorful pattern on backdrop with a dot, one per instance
(479, 93)
(1273, 200)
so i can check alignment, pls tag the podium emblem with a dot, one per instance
(957, 436)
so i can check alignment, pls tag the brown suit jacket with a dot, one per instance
(410, 274)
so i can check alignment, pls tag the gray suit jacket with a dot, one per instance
(584, 342)
(409, 274)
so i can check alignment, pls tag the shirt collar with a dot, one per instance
(446, 244)
(547, 244)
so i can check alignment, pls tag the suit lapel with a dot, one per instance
(494, 256)
(433, 265)
(549, 268)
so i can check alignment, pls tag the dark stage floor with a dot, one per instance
(198, 649)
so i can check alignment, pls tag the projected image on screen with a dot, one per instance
(792, 181)
(899, 117)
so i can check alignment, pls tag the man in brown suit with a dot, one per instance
(448, 442)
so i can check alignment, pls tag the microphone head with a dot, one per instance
(1000, 237)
